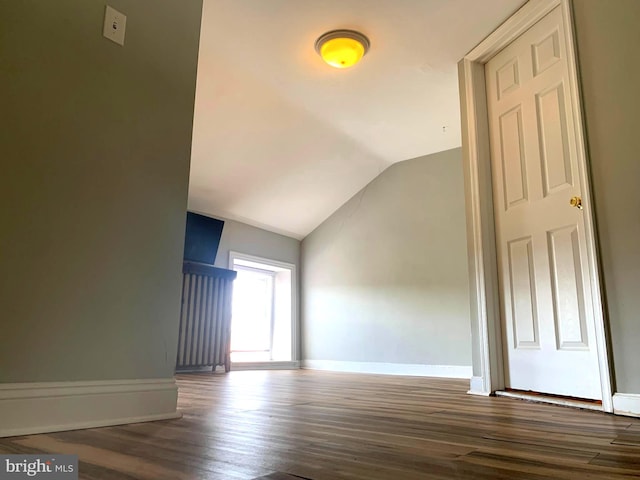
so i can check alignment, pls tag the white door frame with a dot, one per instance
(481, 243)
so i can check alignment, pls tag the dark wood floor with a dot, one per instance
(288, 425)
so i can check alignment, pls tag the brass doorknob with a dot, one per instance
(576, 202)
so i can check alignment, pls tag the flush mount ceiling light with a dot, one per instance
(342, 48)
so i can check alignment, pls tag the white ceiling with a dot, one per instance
(281, 140)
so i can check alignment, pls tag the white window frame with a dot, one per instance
(295, 342)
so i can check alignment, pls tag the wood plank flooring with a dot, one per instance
(301, 424)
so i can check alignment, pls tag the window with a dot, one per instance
(263, 321)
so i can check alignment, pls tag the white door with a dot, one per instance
(549, 330)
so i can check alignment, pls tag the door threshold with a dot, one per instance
(552, 399)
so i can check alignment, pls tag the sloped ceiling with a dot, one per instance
(281, 140)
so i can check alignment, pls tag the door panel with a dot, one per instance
(568, 292)
(546, 52)
(549, 341)
(523, 300)
(554, 144)
(507, 78)
(512, 147)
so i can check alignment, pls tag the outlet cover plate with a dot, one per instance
(115, 24)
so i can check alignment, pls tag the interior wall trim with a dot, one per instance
(626, 404)
(29, 408)
(408, 369)
(476, 387)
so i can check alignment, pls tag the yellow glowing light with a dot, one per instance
(342, 48)
(342, 52)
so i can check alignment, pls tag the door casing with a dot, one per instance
(481, 244)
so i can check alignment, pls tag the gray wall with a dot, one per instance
(243, 238)
(608, 38)
(385, 277)
(95, 156)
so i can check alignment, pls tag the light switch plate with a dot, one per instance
(114, 25)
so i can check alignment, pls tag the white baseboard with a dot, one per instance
(28, 408)
(626, 404)
(408, 369)
(265, 366)
(476, 387)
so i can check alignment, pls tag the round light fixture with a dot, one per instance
(342, 48)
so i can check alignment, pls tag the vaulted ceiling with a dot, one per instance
(281, 140)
